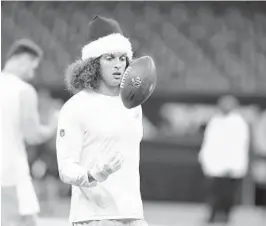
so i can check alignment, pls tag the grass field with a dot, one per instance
(165, 213)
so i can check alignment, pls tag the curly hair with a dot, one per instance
(84, 74)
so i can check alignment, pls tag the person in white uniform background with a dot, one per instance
(224, 157)
(19, 125)
(98, 139)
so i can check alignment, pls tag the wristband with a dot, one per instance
(98, 174)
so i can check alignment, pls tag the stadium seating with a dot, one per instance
(195, 47)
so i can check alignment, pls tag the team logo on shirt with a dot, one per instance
(62, 132)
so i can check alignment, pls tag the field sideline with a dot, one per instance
(165, 213)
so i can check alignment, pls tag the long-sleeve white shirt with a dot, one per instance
(225, 147)
(19, 124)
(90, 126)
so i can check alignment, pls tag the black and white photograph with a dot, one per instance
(133, 113)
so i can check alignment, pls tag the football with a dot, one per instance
(138, 82)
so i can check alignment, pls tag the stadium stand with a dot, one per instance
(196, 47)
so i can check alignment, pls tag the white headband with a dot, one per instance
(109, 44)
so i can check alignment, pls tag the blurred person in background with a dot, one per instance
(98, 139)
(224, 157)
(20, 125)
(42, 157)
(259, 161)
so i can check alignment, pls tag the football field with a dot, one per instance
(165, 213)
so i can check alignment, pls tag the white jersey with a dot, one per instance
(14, 163)
(225, 148)
(90, 125)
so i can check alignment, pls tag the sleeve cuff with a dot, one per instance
(97, 174)
(86, 182)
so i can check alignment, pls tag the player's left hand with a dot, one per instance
(107, 166)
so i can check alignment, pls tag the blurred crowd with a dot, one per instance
(223, 44)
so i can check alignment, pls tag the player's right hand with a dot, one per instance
(104, 168)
